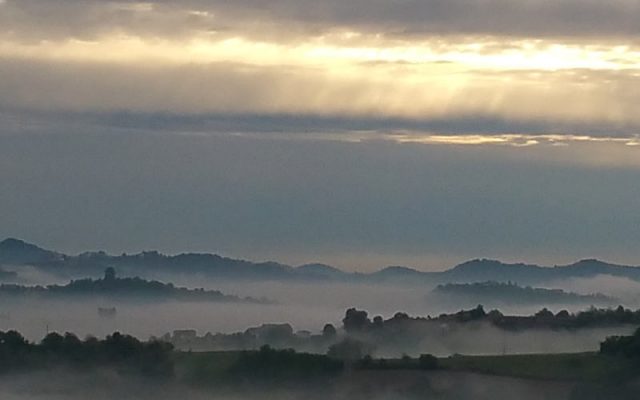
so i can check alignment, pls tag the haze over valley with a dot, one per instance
(213, 294)
(336, 200)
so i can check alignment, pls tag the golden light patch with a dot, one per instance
(487, 54)
(348, 73)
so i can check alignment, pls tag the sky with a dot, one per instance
(351, 132)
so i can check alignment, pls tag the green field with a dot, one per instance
(206, 365)
(573, 367)
(266, 366)
(218, 366)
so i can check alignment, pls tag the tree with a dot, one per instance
(626, 346)
(12, 340)
(329, 332)
(478, 312)
(110, 274)
(401, 316)
(53, 342)
(355, 320)
(544, 314)
(125, 353)
(428, 361)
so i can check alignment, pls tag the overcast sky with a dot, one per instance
(360, 133)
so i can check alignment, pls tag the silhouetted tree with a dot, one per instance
(478, 312)
(125, 353)
(329, 332)
(427, 361)
(12, 339)
(400, 317)
(355, 320)
(627, 346)
(544, 314)
(110, 274)
(53, 342)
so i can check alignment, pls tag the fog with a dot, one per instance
(305, 306)
(34, 318)
(624, 289)
(309, 306)
(485, 339)
(413, 298)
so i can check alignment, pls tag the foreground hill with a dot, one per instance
(15, 254)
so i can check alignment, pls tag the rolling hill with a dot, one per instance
(15, 253)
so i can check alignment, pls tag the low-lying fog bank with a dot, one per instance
(386, 298)
(35, 318)
(308, 307)
(143, 320)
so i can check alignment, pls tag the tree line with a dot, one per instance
(122, 352)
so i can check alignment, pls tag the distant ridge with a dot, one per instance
(493, 293)
(15, 253)
(321, 270)
(19, 252)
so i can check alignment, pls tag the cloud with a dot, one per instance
(557, 99)
(32, 19)
(412, 61)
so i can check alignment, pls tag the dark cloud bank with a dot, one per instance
(522, 18)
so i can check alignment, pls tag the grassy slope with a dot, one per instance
(204, 365)
(579, 367)
(257, 366)
(561, 367)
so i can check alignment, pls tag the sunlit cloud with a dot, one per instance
(328, 52)
(215, 57)
(360, 89)
(516, 140)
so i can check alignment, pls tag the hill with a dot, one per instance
(496, 293)
(115, 288)
(7, 275)
(15, 253)
(18, 252)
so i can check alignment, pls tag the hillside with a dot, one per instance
(18, 252)
(115, 288)
(7, 275)
(495, 293)
(15, 253)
